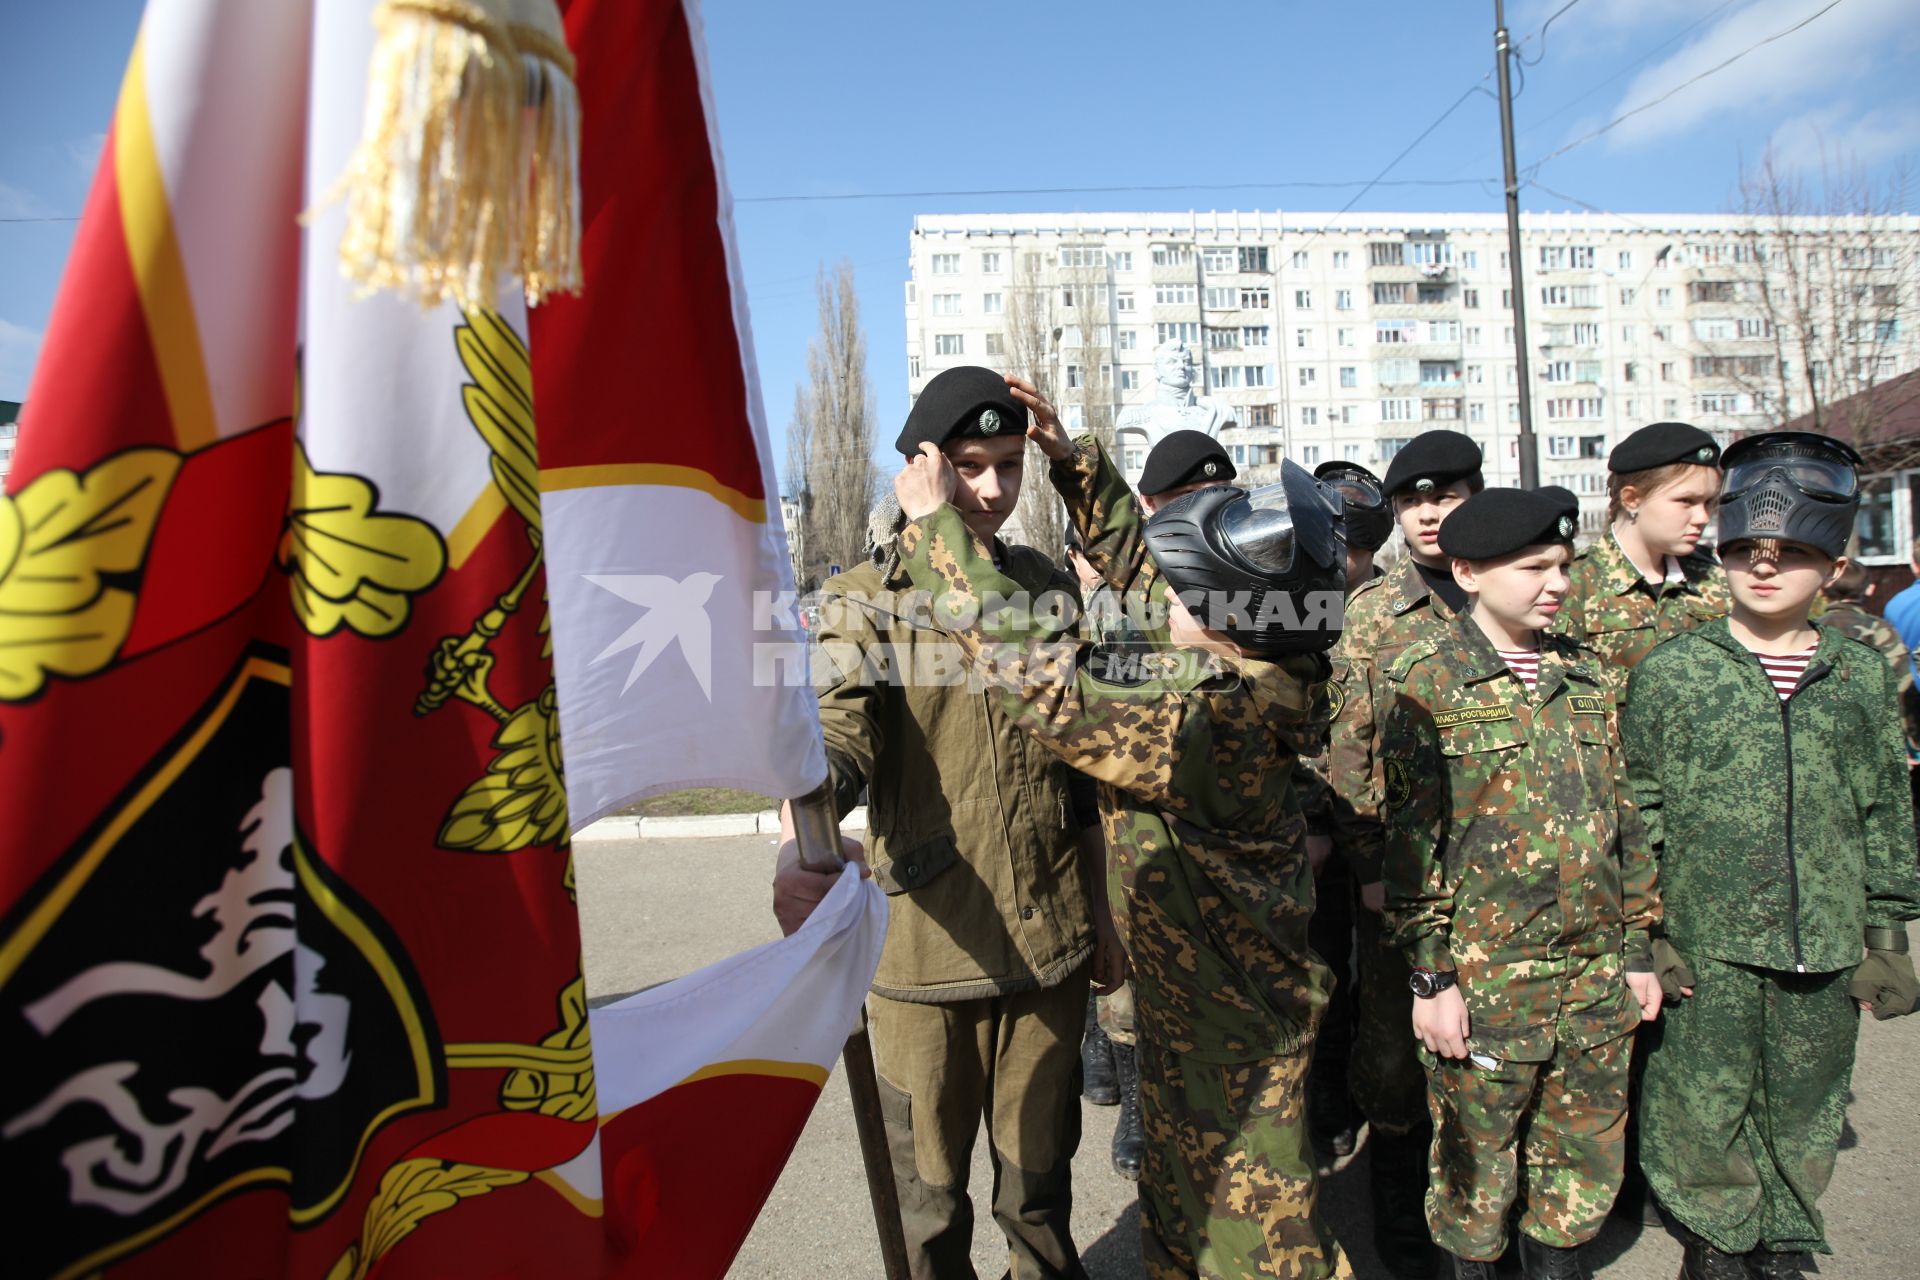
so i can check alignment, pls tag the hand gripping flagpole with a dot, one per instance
(818, 836)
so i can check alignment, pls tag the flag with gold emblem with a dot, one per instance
(290, 973)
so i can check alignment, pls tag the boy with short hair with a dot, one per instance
(1193, 739)
(1520, 885)
(1767, 755)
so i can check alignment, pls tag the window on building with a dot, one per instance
(949, 344)
(913, 366)
(1222, 339)
(1625, 260)
(1343, 299)
(1343, 337)
(1399, 409)
(1663, 297)
(1666, 371)
(1259, 415)
(1471, 335)
(1630, 372)
(1396, 373)
(1253, 258)
(1127, 340)
(1030, 263)
(1309, 416)
(1387, 253)
(1387, 446)
(1259, 375)
(1129, 379)
(1718, 401)
(1175, 295)
(1220, 297)
(946, 264)
(1395, 331)
(1308, 375)
(1310, 456)
(995, 345)
(1443, 331)
(991, 262)
(1628, 332)
(1627, 294)
(1172, 255)
(1506, 299)
(1342, 259)
(946, 304)
(1258, 335)
(1186, 331)
(1123, 302)
(1392, 294)
(1593, 446)
(1477, 411)
(1470, 299)
(1303, 299)
(1082, 255)
(1299, 259)
(1216, 261)
(1443, 409)
(1073, 377)
(1121, 261)
(1255, 299)
(1076, 417)
(1470, 259)
(1303, 338)
(992, 304)
(1349, 375)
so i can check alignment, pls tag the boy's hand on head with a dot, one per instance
(925, 484)
(1646, 990)
(1045, 429)
(1441, 1023)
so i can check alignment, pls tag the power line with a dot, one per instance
(1624, 116)
(1542, 33)
(1075, 191)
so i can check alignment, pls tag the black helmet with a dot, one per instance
(1369, 521)
(1264, 567)
(1794, 486)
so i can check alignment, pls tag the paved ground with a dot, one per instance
(655, 909)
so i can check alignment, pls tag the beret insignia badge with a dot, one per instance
(1566, 526)
(1211, 469)
(1423, 485)
(1705, 453)
(989, 421)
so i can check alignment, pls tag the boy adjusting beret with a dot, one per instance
(1437, 458)
(1499, 522)
(1661, 443)
(965, 402)
(1185, 457)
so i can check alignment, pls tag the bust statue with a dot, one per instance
(1174, 406)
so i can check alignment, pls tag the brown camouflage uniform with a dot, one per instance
(1618, 614)
(1384, 617)
(1194, 753)
(1516, 857)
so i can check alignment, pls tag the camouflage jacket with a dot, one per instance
(1783, 829)
(1618, 614)
(1317, 799)
(969, 822)
(1514, 852)
(1384, 617)
(1194, 752)
(1851, 617)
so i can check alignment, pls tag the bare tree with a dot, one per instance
(1816, 293)
(830, 439)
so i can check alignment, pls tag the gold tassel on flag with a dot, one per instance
(468, 163)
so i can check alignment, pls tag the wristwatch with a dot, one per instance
(1428, 983)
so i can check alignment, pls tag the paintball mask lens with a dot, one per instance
(1260, 527)
(1814, 470)
(1358, 490)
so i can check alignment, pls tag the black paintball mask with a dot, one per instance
(1264, 567)
(1369, 518)
(1790, 486)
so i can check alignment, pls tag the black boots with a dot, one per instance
(1545, 1262)
(1765, 1264)
(1097, 1083)
(1467, 1269)
(1331, 1115)
(1397, 1170)
(1701, 1261)
(1129, 1144)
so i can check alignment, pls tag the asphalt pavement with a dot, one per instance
(654, 909)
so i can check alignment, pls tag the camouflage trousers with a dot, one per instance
(1551, 1134)
(1743, 1103)
(1014, 1061)
(1116, 1014)
(1228, 1187)
(1384, 1072)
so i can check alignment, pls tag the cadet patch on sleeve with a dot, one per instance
(1336, 699)
(1399, 782)
(1472, 715)
(1586, 704)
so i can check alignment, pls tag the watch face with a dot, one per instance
(1421, 982)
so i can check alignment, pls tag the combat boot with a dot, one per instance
(1097, 1083)
(1397, 1172)
(1330, 1115)
(1541, 1261)
(1701, 1261)
(1765, 1264)
(1129, 1144)
(1468, 1269)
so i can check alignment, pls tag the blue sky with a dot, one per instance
(863, 97)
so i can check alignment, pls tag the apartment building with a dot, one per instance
(1344, 336)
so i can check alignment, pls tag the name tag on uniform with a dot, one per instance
(1586, 704)
(1472, 715)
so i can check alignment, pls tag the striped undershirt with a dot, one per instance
(1524, 663)
(1785, 671)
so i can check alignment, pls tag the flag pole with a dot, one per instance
(817, 833)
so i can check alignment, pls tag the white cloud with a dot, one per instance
(1836, 48)
(17, 202)
(19, 348)
(1837, 134)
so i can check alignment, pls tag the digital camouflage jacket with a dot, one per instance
(1514, 851)
(1195, 756)
(1852, 617)
(1618, 614)
(1384, 617)
(1783, 829)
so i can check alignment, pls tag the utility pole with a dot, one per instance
(1529, 447)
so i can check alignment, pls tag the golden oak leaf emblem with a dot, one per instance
(348, 563)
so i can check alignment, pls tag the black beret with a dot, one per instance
(1660, 443)
(1439, 456)
(1499, 522)
(1185, 457)
(962, 403)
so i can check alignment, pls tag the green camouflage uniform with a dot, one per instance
(1516, 857)
(1384, 617)
(1784, 830)
(1194, 753)
(1618, 614)
(1851, 616)
(1107, 623)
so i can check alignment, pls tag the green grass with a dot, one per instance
(699, 801)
